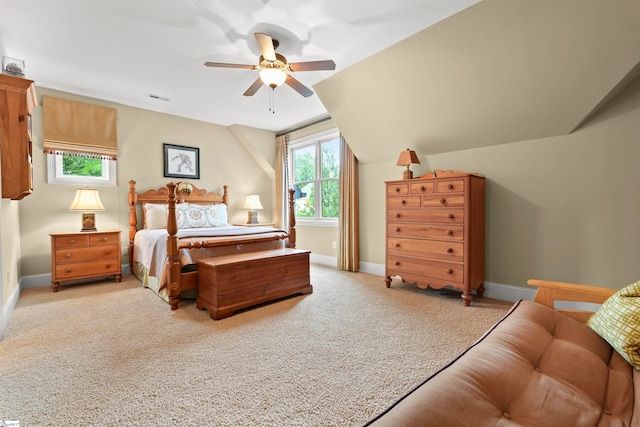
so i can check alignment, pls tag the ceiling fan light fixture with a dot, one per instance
(273, 77)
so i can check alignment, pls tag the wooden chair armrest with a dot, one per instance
(549, 292)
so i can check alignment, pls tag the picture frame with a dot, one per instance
(181, 161)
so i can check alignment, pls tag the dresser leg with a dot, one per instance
(467, 297)
(480, 291)
(55, 286)
(387, 280)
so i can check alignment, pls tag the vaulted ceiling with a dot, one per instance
(497, 72)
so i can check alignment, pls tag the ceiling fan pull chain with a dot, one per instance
(272, 101)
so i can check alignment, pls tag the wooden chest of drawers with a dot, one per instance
(435, 231)
(84, 255)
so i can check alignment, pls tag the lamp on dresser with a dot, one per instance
(407, 158)
(87, 200)
(252, 204)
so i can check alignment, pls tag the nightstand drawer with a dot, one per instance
(73, 241)
(93, 268)
(86, 254)
(104, 239)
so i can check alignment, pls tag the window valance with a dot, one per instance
(77, 128)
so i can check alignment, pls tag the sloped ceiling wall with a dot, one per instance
(500, 71)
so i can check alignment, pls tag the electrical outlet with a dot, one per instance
(334, 245)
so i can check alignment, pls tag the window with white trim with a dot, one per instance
(314, 166)
(80, 170)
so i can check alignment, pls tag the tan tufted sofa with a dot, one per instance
(535, 367)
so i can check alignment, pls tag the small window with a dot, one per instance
(80, 170)
(315, 166)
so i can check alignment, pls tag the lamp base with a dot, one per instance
(408, 174)
(89, 222)
(252, 217)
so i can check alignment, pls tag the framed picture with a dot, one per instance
(181, 162)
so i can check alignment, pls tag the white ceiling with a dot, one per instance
(125, 50)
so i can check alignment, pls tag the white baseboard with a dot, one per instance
(7, 310)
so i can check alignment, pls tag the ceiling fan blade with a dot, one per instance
(266, 46)
(225, 65)
(313, 65)
(299, 87)
(253, 88)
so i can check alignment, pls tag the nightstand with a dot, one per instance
(85, 254)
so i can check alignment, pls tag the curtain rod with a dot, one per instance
(315, 122)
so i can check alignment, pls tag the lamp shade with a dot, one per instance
(408, 157)
(252, 202)
(86, 199)
(273, 77)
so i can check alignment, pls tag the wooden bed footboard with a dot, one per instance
(549, 292)
(168, 195)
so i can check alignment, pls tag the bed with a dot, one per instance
(173, 227)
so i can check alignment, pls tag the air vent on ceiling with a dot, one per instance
(158, 97)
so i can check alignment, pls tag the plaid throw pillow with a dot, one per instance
(618, 322)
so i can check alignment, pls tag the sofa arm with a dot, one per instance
(549, 292)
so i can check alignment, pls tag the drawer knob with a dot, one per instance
(404, 202)
(397, 230)
(67, 255)
(104, 239)
(397, 215)
(397, 189)
(443, 201)
(450, 215)
(72, 241)
(396, 263)
(422, 188)
(449, 250)
(449, 271)
(107, 251)
(108, 266)
(449, 233)
(450, 186)
(67, 270)
(397, 245)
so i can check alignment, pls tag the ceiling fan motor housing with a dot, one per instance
(280, 63)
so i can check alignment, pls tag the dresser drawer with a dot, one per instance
(84, 254)
(419, 231)
(433, 249)
(445, 216)
(104, 239)
(443, 201)
(452, 186)
(71, 241)
(93, 268)
(397, 189)
(453, 273)
(406, 202)
(422, 188)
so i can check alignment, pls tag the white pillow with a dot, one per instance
(197, 216)
(155, 216)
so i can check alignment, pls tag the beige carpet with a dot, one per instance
(109, 354)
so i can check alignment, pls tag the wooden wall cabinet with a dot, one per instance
(435, 231)
(17, 100)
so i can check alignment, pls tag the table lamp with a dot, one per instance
(252, 203)
(87, 200)
(407, 158)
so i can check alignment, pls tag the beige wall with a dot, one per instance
(563, 208)
(141, 133)
(10, 239)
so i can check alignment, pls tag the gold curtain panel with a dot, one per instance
(76, 127)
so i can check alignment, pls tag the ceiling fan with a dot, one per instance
(274, 68)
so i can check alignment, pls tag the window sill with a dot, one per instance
(316, 223)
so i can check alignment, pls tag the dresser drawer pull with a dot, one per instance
(107, 266)
(397, 189)
(449, 251)
(397, 245)
(104, 239)
(422, 188)
(396, 263)
(67, 255)
(449, 233)
(449, 271)
(403, 202)
(107, 252)
(450, 186)
(450, 215)
(67, 270)
(397, 230)
(72, 241)
(443, 201)
(397, 215)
